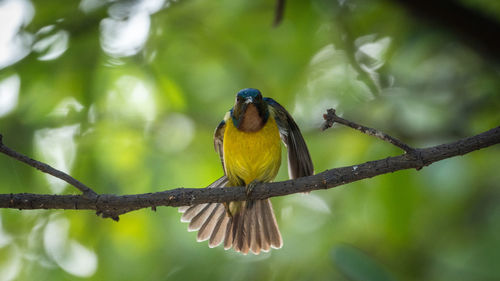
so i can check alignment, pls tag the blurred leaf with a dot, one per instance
(358, 266)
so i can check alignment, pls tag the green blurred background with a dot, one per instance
(125, 95)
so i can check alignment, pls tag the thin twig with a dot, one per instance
(341, 15)
(331, 117)
(114, 205)
(87, 192)
(278, 12)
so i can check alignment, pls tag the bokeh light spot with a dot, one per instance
(70, 255)
(9, 92)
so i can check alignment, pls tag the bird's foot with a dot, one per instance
(228, 211)
(249, 187)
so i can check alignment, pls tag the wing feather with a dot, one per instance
(299, 159)
(219, 138)
(218, 141)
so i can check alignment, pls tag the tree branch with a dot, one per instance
(331, 117)
(87, 192)
(109, 205)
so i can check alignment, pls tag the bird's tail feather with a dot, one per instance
(252, 228)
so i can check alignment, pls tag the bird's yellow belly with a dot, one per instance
(252, 156)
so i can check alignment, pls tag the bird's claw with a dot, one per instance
(228, 211)
(249, 187)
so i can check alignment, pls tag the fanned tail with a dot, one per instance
(252, 228)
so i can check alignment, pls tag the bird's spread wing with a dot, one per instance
(218, 141)
(219, 138)
(299, 160)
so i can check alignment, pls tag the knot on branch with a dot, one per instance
(329, 119)
(112, 214)
(416, 155)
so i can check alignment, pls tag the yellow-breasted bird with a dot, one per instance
(248, 142)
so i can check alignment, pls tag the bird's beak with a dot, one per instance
(248, 100)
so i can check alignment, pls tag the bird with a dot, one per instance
(248, 141)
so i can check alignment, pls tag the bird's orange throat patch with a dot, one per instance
(252, 121)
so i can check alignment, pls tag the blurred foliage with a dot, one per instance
(125, 95)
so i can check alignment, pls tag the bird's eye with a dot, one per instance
(258, 97)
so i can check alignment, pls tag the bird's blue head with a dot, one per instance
(250, 110)
(248, 94)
